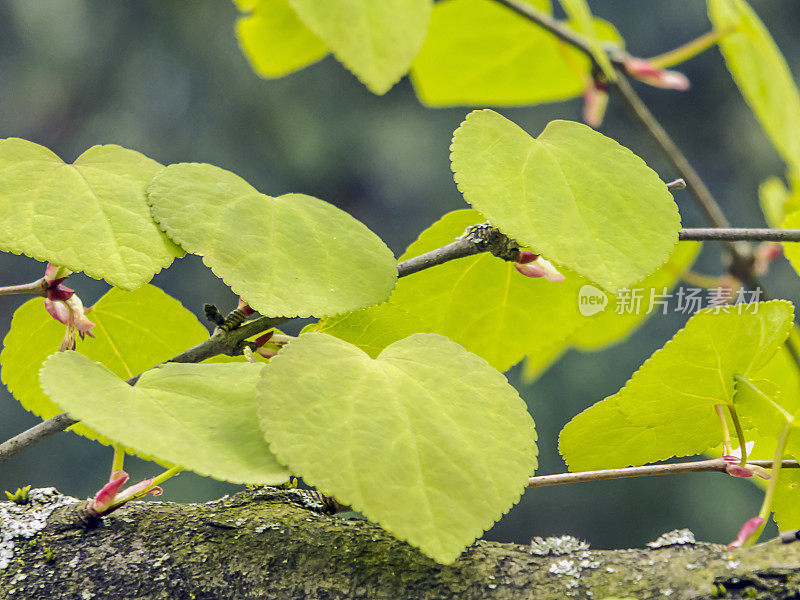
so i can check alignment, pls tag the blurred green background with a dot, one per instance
(166, 78)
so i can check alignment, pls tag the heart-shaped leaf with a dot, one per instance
(288, 256)
(572, 194)
(483, 302)
(667, 407)
(761, 72)
(481, 53)
(199, 417)
(90, 216)
(275, 40)
(375, 40)
(134, 331)
(371, 329)
(427, 440)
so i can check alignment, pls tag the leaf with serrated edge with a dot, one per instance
(479, 53)
(274, 39)
(600, 330)
(485, 305)
(761, 72)
(667, 407)
(574, 195)
(90, 216)
(199, 417)
(427, 440)
(371, 329)
(293, 255)
(482, 302)
(785, 505)
(759, 404)
(375, 40)
(134, 331)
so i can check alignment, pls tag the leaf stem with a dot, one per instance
(739, 433)
(769, 496)
(701, 466)
(727, 447)
(118, 462)
(36, 288)
(690, 49)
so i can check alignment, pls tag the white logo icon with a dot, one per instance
(591, 300)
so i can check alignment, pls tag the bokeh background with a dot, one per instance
(167, 78)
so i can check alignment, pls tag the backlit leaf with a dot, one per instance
(667, 407)
(407, 438)
(199, 417)
(572, 194)
(482, 302)
(371, 329)
(761, 72)
(792, 249)
(89, 216)
(480, 53)
(375, 40)
(275, 40)
(293, 255)
(134, 331)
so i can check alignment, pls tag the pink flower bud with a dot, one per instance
(244, 308)
(747, 530)
(765, 254)
(533, 265)
(105, 497)
(138, 490)
(595, 102)
(645, 71)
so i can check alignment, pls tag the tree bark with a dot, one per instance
(269, 543)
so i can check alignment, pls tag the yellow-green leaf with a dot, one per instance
(761, 72)
(134, 331)
(375, 40)
(667, 407)
(575, 196)
(275, 40)
(293, 255)
(406, 438)
(199, 417)
(89, 216)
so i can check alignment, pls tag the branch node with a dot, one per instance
(490, 239)
(213, 315)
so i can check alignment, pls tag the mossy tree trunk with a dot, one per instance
(268, 543)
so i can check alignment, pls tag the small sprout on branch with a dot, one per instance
(213, 315)
(533, 265)
(646, 72)
(595, 102)
(748, 529)
(65, 306)
(109, 498)
(678, 184)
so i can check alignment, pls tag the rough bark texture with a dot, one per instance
(268, 543)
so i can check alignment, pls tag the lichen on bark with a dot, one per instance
(270, 543)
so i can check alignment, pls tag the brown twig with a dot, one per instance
(699, 466)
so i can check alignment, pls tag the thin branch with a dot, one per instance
(462, 247)
(700, 466)
(37, 288)
(554, 26)
(233, 342)
(740, 234)
(34, 435)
